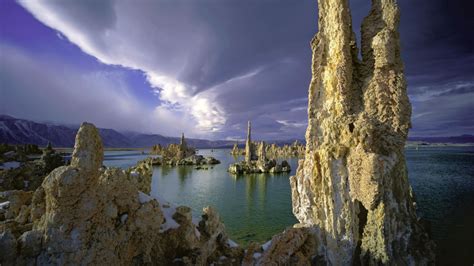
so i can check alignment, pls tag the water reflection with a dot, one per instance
(183, 173)
(253, 207)
(165, 170)
(256, 207)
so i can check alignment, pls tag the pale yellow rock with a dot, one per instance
(249, 145)
(88, 151)
(87, 214)
(141, 175)
(352, 184)
(295, 246)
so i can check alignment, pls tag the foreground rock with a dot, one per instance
(86, 214)
(352, 185)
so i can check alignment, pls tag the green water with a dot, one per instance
(252, 207)
(256, 207)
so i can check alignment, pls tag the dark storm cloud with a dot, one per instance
(217, 64)
(438, 51)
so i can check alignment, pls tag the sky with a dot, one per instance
(206, 67)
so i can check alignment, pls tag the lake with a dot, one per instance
(255, 207)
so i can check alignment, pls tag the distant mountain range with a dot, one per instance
(21, 131)
(452, 139)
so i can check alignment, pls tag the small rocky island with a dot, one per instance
(274, 151)
(256, 161)
(179, 154)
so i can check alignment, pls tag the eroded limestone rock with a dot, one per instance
(259, 166)
(88, 214)
(141, 175)
(353, 183)
(273, 151)
(256, 161)
(174, 152)
(249, 145)
(88, 151)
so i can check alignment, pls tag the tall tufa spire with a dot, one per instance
(249, 129)
(182, 142)
(353, 184)
(249, 151)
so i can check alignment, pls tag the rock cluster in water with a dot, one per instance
(180, 154)
(173, 150)
(195, 159)
(352, 186)
(26, 174)
(256, 160)
(87, 214)
(274, 151)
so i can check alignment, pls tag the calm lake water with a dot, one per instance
(256, 207)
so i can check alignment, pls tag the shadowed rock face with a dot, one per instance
(352, 184)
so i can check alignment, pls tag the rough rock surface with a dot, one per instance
(235, 150)
(190, 160)
(179, 154)
(174, 152)
(256, 161)
(259, 166)
(141, 175)
(273, 151)
(294, 150)
(249, 145)
(352, 184)
(87, 214)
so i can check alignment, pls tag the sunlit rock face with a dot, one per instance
(249, 146)
(88, 214)
(352, 184)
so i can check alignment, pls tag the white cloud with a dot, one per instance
(56, 91)
(118, 46)
(209, 116)
(287, 123)
(211, 66)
